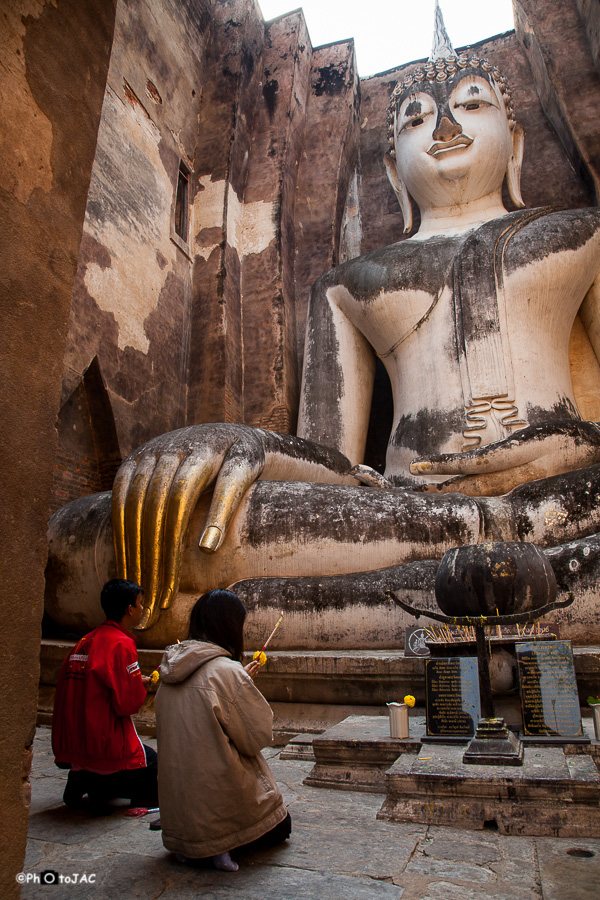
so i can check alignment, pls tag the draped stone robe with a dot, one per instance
(472, 329)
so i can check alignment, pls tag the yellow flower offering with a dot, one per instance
(261, 657)
(154, 677)
(410, 700)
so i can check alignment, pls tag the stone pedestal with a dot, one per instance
(356, 754)
(300, 748)
(552, 793)
(494, 745)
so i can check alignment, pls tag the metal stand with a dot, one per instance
(493, 743)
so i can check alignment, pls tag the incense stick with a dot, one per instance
(266, 644)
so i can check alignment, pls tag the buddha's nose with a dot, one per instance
(446, 129)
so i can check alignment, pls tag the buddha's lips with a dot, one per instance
(440, 147)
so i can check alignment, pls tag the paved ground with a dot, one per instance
(338, 851)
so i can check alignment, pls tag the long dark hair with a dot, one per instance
(219, 617)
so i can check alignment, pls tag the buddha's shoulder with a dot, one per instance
(403, 265)
(553, 231)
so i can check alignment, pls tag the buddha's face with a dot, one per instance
(452, 139)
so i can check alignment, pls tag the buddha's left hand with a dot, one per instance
(537, 451)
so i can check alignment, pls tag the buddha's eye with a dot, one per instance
(473, 104)
(413, 123)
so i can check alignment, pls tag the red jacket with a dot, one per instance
(98, 690)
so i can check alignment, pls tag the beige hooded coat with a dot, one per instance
(216, 792)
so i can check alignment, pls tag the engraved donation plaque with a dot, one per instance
(452, 698)
(549, 699)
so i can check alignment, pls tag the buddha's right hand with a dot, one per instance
(159, 484)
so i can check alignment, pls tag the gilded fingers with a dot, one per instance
(156, 491)
(191, 479)
(119, 496)
(153, 497)
(241, 467)
(134, 508)
(155, 507)
(211, 538)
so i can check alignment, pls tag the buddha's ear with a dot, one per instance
(513, 171)
(400, 191)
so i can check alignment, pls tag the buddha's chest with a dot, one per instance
(484, 305)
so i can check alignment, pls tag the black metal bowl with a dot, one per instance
(497, 578)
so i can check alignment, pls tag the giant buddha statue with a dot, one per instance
(471, 317)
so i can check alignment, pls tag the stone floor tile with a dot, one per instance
(483, 836)
(41, 758)
(356, 811)
(134, 836)
(445, 890)
(131, 877)
(48, 767)
(347, 808)
(467, 848)
(274, 883)
(46, 792)
(516, 848)
(341, 851)
(520, 871)
(568, 877)
(445, 868)
(338, 851)
(292, 771)
(77, 854)
(62, 826)
(34, 854)
(270, 752)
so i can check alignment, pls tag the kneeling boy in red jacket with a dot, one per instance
(99, 688)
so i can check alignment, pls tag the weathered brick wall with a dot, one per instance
(558, 48)
(88, 455)
(270, 393)
(589, 10)
(171, 337)
(328, 160)
(232, 76)
(54, 59)
(131, 302)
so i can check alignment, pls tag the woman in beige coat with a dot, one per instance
(216, 792)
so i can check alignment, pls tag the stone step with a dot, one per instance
(552, 794)
(369, 677)
(310, 691)
(355, 754)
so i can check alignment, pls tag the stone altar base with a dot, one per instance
(311, 691)
(552, 794)
(355, 755)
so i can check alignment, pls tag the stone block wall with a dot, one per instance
(130, 314)
(559, 38)
(211, 329)
(54, 60)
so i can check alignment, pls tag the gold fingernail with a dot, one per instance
(165, 600)
(211, 539)
(144, 621)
